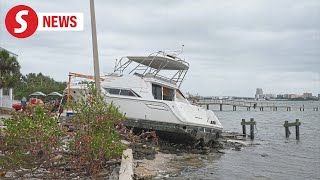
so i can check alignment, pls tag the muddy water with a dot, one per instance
(275, 157)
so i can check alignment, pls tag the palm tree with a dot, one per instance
(9, 70)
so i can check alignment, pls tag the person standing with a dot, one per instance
(24, 103)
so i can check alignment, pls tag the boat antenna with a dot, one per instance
(181, 50)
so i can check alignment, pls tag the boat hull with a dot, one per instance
(168, 121)
(177, 133)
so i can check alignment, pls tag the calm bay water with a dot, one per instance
(275, 157)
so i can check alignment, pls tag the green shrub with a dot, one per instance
(30, 140)
(96, 139)
(33, 140)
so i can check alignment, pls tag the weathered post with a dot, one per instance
(234, 108)
(252, 128)
(220, 107)
(297, 129)
(286, 128)
(244, 132)
(303, 107)
(207, 106)
(296, 124)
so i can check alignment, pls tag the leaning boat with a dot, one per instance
(151, 99)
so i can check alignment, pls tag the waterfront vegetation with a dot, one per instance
(33, 144)
(33, 82)
(24, 85)
(9, 70)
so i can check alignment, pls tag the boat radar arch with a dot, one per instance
(153, 64)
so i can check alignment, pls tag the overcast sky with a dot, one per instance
(233, 46)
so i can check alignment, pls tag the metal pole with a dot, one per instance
(95, 46)
(68, 96)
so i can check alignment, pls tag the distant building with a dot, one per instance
(6, 100)
(280, 96)
(293, 96)
(319, 97)
(259, 94)
(307, 95)
(269, 96)
(286, 96)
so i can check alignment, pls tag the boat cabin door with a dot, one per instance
(162, 93)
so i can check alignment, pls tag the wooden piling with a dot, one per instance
(286, 128)
(251, 123)
(244, 131)
(297, 129)
(220, 107)
(252, 128)
(296, 124)
(207, 106)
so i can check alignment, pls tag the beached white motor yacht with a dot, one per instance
(151, 100)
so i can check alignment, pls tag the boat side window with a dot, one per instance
(157, 91)
(168, 94)
(123, 92)
(126, 93)
(113, 91)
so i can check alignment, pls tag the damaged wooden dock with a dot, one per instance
(261, 105)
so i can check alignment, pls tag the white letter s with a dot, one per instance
(21, 21)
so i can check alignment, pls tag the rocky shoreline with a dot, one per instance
(169, 159)
(160, 159)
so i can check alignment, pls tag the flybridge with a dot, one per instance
(150, 66)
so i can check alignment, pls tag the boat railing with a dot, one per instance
(158, 76)
(145, 68)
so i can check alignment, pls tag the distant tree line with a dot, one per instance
(24, 85)
(33, 82)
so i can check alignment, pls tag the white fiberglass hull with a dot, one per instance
(177, 119)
